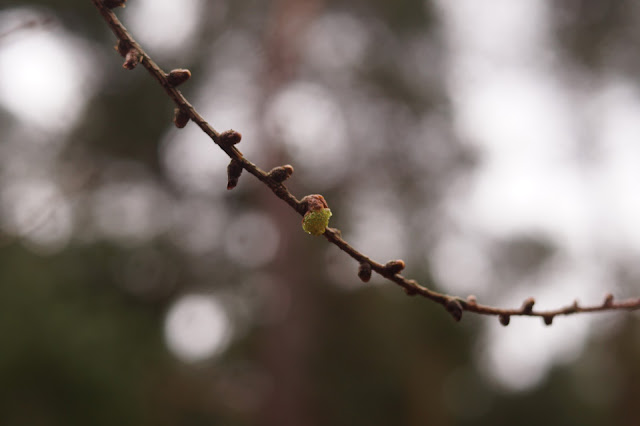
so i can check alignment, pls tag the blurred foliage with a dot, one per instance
(77, 347)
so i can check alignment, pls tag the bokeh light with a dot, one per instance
(196, 328)
(46, 78)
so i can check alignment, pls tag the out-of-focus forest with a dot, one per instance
(494, 146)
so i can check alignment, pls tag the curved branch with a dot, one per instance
(134, 54)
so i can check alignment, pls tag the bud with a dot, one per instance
(455, 309)
(122, 47)
(412, 289)
(364, 272)
(234, 170)
(504, 319)
(178, 76)
(282, 173)
(527, 305)
(394, 266)
(131, 59)
(313, 202)
(317, 214)
(180, 118)
(548, 319)
(316, 222)
(608, 300)
(229, 138)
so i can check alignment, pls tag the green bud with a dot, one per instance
(316, 222)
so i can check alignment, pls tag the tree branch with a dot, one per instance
(134, 54)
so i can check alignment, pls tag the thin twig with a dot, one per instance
(454, 305)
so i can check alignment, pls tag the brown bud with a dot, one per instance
(313, 202)
(131, 59)
(394, 266)
(234, 170)
(112, 4)
(229, 138)
(608, 300)
(364, 272)
(412, 289)
(180, 118)
(282, 173)
(455, 309)
(122, 47)
(504, 319)
(575, 307)
(527, 305)
(548, 319)
(177, 77)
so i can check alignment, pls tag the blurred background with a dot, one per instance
(494, 146)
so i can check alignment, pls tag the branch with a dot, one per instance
(134, 54)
